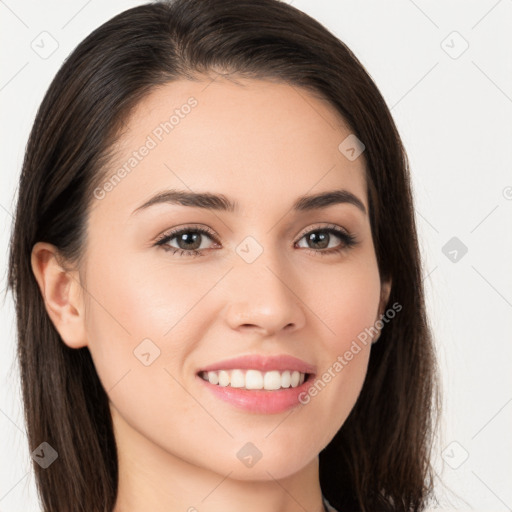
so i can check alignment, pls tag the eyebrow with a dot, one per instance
(220, 202)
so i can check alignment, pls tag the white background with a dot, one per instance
(454, 114)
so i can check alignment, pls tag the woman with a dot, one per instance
(214, 227)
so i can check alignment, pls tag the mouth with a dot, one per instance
(259, 383)
(250, 379)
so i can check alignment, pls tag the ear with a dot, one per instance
(385, 291)
(62, 294)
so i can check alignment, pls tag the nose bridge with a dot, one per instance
(262, 263)
(261, 291)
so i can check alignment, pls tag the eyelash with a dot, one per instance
(348, 240)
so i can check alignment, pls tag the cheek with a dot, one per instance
(139, 334)
(354, 309)
(347, 308)
(142, 325)
(346, 302)
(134, 301)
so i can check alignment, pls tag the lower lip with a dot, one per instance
(260, 400)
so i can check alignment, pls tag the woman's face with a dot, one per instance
(268, 282)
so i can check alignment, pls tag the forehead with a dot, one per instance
(253, 141)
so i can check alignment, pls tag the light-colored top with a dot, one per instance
(328, 506)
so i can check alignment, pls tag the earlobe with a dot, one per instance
(384, 295)
(385, 291)
(61, 292)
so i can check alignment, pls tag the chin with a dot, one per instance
(276, 466)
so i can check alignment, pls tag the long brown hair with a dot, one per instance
(380, 458)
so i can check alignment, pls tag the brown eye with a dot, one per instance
(188, 241)
(320, 239)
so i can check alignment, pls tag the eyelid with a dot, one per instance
(186, 227)
(203, 227)
(320, 227)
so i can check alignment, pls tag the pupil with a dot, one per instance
(322, 235)
(188, 239)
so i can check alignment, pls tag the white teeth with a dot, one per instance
(223, 378)
(213, 377)
(254, 379)
(272, 380)
(237, 379)
(286, 379)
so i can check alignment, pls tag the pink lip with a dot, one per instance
(260, 400)
(262, 363)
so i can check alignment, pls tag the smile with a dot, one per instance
(259, 383)
(255, 379)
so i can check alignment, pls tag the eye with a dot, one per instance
(321, 239)
(188, 239)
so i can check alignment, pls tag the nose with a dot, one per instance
(264, 297)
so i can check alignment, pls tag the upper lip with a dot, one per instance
(262, 363)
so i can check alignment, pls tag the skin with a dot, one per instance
(259, 143)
